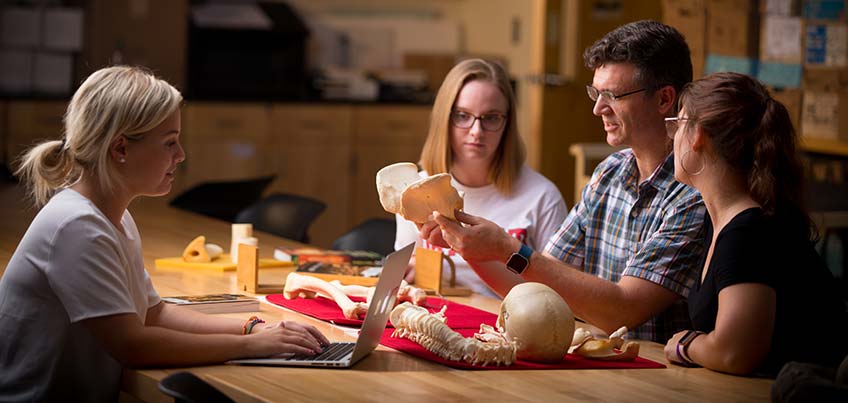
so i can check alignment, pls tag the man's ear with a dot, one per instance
(118, 148)
(667, 96)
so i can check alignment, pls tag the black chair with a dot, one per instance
(186, 387)
(375, 235)
(285, 215)
(6, 174)
(224, 199)
(807, 382)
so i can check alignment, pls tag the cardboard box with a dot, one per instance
(20, 27)
(781, 39)
(824, 115)
(63, 29)
(824, 9)
(791, 99)
(690, 18)
(826, 44)
(786, 8)
(781, 75)
(53, 73)
(744, 65)
(733, 28)
(15, 71)
(824, 80)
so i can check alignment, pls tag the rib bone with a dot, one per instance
(304, 286)
(299, 285)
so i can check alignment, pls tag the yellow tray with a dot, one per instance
(222, 263)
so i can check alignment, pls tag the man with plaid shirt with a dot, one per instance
(630, 250)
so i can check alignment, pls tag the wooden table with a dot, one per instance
(385, 375)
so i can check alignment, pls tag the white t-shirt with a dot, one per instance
(72, 264)
(532, 213)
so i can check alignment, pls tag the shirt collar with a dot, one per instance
(662, 176)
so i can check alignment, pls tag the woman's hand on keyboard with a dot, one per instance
(286, 337)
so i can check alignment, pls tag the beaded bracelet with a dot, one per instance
(250, 323)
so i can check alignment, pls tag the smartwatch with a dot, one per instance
(683, 345)
(520, 260)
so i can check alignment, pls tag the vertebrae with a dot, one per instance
(430, 331)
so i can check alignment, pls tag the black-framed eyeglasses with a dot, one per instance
(490, 122)
(672, 124)
(608, 96)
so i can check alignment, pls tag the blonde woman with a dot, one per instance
(76, 303)
(474, 136)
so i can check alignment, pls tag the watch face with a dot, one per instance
(517, 263)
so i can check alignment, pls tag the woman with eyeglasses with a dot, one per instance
(764, 297)
(474, 136)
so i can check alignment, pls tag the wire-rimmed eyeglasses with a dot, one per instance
(608, 96)
(490, 122)
(672, 124)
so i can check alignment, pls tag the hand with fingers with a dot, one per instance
(432, 233)
(475, 238)
(286, 337)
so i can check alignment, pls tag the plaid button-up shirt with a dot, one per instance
(651, 230)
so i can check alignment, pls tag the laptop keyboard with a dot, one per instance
(333, 352)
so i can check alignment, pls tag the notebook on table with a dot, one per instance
(345, 354)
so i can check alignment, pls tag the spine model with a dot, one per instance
(430, 331)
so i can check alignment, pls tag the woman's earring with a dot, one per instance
(683, 159)
(122, 160)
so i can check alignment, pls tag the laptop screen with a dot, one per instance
(383, 301)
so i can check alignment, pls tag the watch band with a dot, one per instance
(683, 346)
(525, 251)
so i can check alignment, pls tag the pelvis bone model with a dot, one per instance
(304, 286)
(534, 324)
(403, 192)
(614, 348)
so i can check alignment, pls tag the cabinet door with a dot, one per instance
(31, 122)
(150, 33)
(383, 135)
(225, 142)
(311, 155)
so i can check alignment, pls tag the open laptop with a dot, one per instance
(344, 355)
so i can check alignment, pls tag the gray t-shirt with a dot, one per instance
(72, 264)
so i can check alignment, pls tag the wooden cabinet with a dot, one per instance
(311, 155)
(150, 33)
(30, 122)
(333, 152)
(328, 152)
(383, 135)
(224, 142)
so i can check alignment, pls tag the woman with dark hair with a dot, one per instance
(764, 297)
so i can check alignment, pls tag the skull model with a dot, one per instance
(538, 320)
